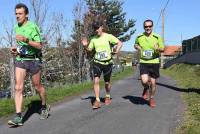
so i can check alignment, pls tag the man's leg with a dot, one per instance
(107, 72)
(152, 102)
(19, 86)
(146, 84)
(97, 74)
(145, 79)
(153, 87)
(107, 97)
(153, 76)
(20, 75)
(107, 87)
(36, 80)
(96, 103)
(97, 88)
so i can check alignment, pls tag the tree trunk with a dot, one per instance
(12, 77)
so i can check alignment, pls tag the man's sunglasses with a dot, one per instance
(148, 26)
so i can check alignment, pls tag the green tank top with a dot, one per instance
(101, 45)
(32, 32)
(148, 54)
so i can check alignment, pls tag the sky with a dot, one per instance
(182, 18)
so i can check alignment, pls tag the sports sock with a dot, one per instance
(107, 95)
(98, 99)
(19, 114)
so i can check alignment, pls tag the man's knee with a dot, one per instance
(37, 86)
(18, 88)
(145, 81)
(153, 84)
(107, 83)
(96, 80)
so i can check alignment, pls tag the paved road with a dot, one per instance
(128, 113)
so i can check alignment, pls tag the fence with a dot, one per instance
(191, 45)
(190, 53)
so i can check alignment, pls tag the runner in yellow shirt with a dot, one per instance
(150, 45)
(102, 59)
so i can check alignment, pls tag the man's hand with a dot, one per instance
(84, 42)
(22, 38)
(156, 48)
(13, 50)
(137, 47)
(114, 51)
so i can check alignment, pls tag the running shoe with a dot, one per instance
(107, 100)
(96, 105)
(17, 121)
(44, 112)
(152, 103)
(145, 94)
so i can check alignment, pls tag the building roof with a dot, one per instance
(172, 50)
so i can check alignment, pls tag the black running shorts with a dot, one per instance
(151, 69)
(30, 66)
(106, 69)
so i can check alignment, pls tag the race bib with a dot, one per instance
(102, 55)
(22, 50)
(148, 54)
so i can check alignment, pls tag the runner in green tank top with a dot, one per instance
(102, 59)
(149, 45)
(28, 55)
(32, 33)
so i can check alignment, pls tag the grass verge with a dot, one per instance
(188, 77)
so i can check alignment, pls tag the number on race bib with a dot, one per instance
(102, 55)
(148, 54)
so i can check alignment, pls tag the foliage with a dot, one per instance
(188, 79)
(111, 13)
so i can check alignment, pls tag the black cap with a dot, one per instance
(97, 24)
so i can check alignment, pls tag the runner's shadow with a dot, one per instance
(92, 99)
(33, 107)
(188, 90)
(136, 100)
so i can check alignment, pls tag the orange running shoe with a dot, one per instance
(96, 105)
(145, 94)
(152, 103)
(107, 100)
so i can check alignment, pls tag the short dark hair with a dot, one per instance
(21, 5)
(148, 21)
(97, 24)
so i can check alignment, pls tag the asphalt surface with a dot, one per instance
(127, 114)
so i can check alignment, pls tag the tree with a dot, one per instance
(9, 40)
(111, 13)
(77, 52)
(108, 11)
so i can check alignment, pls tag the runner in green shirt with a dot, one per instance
(32, 33)
(102, 59)
(150, 46)
(28, 56)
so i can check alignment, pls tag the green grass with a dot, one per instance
(188, 78)
(54, 95)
